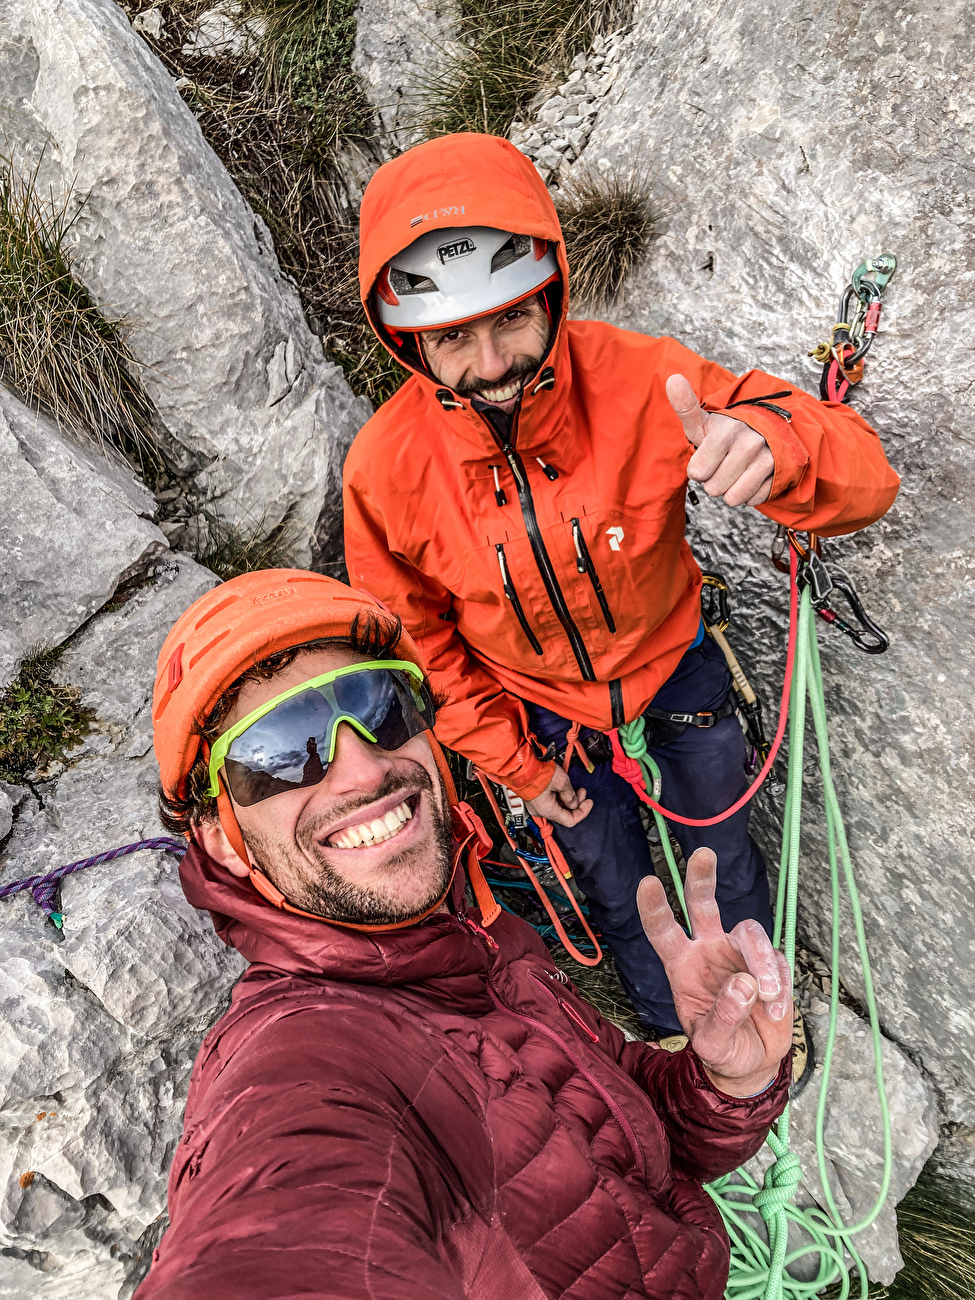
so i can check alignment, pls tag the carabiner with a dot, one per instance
(868, 628)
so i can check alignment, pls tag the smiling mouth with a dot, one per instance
(501, 394)
(377, 831)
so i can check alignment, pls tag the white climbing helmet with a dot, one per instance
(449, 276)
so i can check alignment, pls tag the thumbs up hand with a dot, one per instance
(731, 460)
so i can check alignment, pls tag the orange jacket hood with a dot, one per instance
(456, 180)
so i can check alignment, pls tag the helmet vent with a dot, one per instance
(515, 248)
(403, 283)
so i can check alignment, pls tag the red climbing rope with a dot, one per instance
(629, 769)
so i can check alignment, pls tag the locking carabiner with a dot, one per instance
(822, 581)
(868, 628)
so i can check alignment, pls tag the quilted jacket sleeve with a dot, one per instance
(710, 1133)
(831, 473)
(478, 719)
(302, 1172)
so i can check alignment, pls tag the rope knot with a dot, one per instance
(633, 739)
(781, 1180)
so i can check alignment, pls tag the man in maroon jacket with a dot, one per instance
(407, 1099)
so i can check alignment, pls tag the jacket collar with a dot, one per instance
(441, 956)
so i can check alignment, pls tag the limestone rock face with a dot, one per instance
(73, 525)
(853, 1136)
(250, 404)
(101, 1024)
(792, 148)
(398, 44)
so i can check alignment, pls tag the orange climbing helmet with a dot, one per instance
(228, 630)
(223, 634)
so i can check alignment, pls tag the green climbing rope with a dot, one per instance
(761, 1262)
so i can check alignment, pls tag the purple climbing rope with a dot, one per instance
(44, 888)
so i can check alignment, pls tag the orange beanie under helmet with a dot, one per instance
(224, 633)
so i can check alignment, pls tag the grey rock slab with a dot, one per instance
(399, 44)
(73, 525)
(113, 660)
(223, 31)
(99, 1029)
(853, 1137)
(243, 391)
(767, 219)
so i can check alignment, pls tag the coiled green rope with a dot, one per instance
(760, 1267)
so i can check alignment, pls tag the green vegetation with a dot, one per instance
(40, 721)
(279, 123)
(607, 221)
(506, 53)
(308, 47)
(234, 548)
(57, 349)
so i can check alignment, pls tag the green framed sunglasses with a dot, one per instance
(289, 742)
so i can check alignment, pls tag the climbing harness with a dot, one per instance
(45, 888)
(633, 762)
(843, 354)
(716, 616)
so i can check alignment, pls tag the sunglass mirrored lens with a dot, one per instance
(285, 750)
(382, 703)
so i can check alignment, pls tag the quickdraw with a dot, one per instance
(842, 355)
(823, 580)
(716, 616)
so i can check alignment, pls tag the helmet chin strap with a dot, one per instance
(271, 894)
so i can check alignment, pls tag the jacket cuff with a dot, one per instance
(788, 453)
(769, 1094)
(531, 780)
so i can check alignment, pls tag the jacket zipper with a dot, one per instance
(512, 595)
(542, 560)
(616, 702)
(584, 564)
(566, 1008)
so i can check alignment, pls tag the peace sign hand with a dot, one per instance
(731, 460)
(733, 992)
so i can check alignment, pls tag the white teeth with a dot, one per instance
(503, 394)
(374, 832)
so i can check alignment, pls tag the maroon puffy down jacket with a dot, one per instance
(435, 1114)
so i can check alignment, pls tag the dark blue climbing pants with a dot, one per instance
(703, 773)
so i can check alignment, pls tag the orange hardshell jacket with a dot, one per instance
(424, 532)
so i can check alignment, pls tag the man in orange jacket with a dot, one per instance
(520, 503)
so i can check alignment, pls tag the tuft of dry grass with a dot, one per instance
(58, 349)
(936, 1229)
(286, 123)
(607, 221)
(505, 53)
(235, 548)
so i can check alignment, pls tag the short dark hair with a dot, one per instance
(371, 634)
